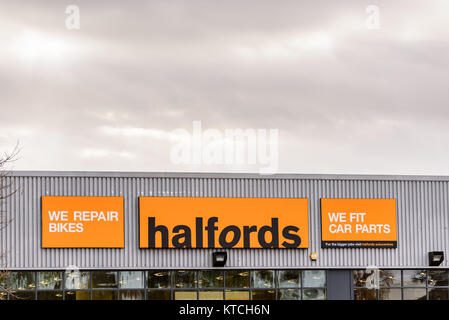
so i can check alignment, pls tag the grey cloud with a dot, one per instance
(377, 101)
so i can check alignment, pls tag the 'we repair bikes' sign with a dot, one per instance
(82, 222)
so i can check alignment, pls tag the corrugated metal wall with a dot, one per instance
(422, 220)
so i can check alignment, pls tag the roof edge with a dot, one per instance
(210, 175)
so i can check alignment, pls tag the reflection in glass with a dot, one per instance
(439, 294)
(362, 277)
(4, 275)
(237, 279)
(237, 295)
(22, 280)
(389, 278)
(414, 278)
(158, 295)
(104, 279)
(211, 279)
(185, 279)
(104, 294)
(262, 279)
(211, 295)
(289, 278)
(314, 278)
(131, 279)
(159, 279)
(77, 295)
(437, 278)
(49, 280)
(77, 280)
(3, 295)
(365, 294)
(415, 294)
(131, 295)
(49, 295)
(185, 295)
(314, 294)
(390, 294)
(263, 295)
(289, 294)
(21, 295)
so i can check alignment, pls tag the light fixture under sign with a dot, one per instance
(219, 259)
(436, 258)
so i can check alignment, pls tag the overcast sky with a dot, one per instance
(344, 98)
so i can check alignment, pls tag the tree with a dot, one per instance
(7, 190)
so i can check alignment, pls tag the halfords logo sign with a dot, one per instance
(177, 222)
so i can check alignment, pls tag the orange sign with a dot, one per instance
(82, 222)
(179, 222)
(358, 223)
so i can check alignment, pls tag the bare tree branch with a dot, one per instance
(7, 190)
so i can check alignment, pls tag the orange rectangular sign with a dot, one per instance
(181, 222)
(82, 222)
(355, 223)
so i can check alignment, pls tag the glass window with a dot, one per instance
(211, 295)
(417, 284)
(185, 295)
(314, 278)
(263, 295)
(437, 278)
(131, 279)
(389, 278)
(314, 294)
(22, 295)
(289, 278)
(158, 294)
(77, 280)
(237, 279)
(211, 279)
(159, 279)
(104, 279)
(439, 294)
(365, 294)
(237, 295)
(414, 278)
(415, 294)
(361, 278)
(49, 295)
(390, 294)
(22, 280)
(49, 280)
(131, 294)
(262, 279)
(289, 294)
(185, 279)
(4, 275)
(104, 294)
(77, 295)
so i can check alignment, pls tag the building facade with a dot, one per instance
(421, 221)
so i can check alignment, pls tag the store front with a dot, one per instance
(149, 236)
(169, 285)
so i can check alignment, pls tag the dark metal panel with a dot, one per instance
(339, 285)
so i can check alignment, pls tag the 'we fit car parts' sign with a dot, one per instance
(82, 222)
(358, 223)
